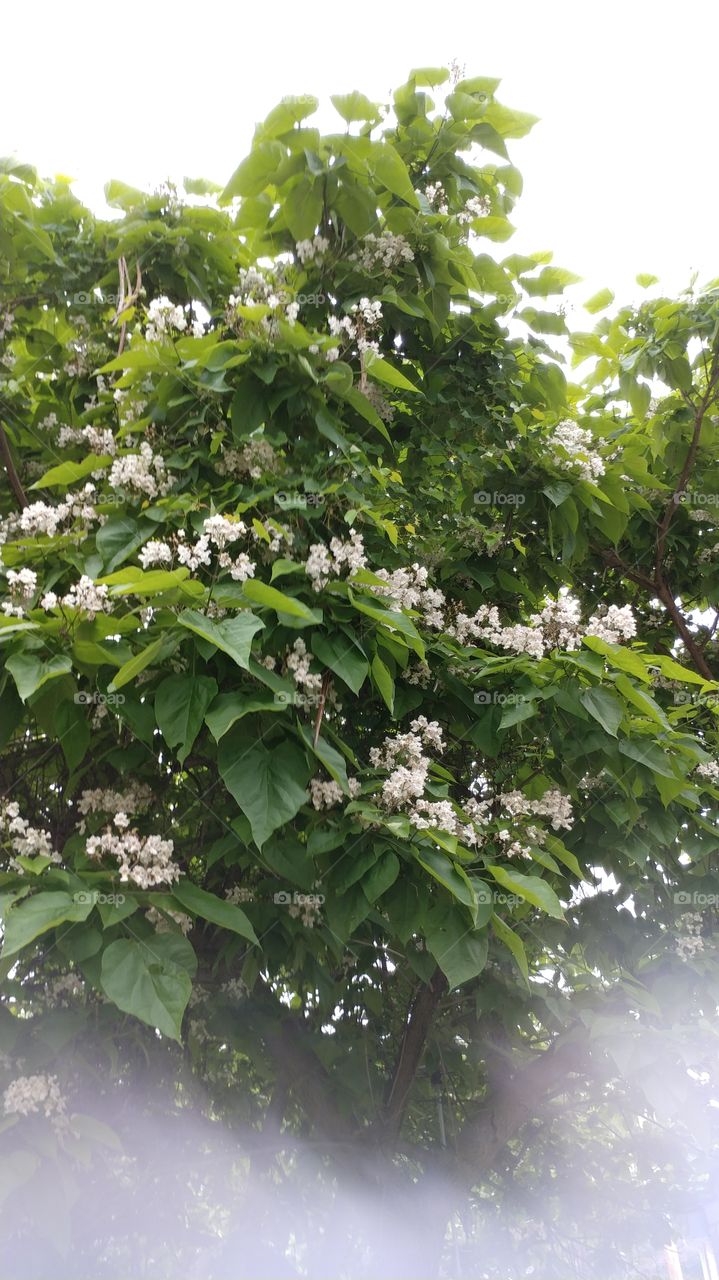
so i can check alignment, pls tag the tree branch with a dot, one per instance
(13, 477)
(414, 1039)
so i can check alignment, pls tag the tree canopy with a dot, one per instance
(359, 715)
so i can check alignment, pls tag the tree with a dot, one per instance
(354, 682)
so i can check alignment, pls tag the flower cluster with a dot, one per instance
(691, 943)
(98, 440)
(553, 805)
(40, 517)
(298, 663)
(324, 563)
(144, 472)
(365, 317)
(22, 584)
(103, 800)
(572, 450)
(146, 860)
(476, 207)
(84, 596)
(325, 795)
(557, 626)
(386, 251)
(437, 196)
(408, 589)
(25, 841)
(163, 925)
(306, 250)
(164, 318)
(28, 1095)
(405, 757)
(255, 459)
(709, 771)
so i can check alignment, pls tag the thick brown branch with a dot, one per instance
(13, 477)
(410, 1055)
(671, 507)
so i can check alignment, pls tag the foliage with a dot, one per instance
(277, 781)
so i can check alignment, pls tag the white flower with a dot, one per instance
(386, 251)
(221, 531)
(614, 625)
(476, 207)
(195, 555)
(577, 452)
(88, 598)
(142, 472)
(155, 552)
(163, 317)
(145, 860)
(31, 1094)
(709, 771)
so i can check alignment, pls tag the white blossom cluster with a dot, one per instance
(162, 924)
(476, 207)
(386, 251)
(25, 841)
(40, 517)
(324, 563)
(691, 943)
(22, 584)
(146, 860)
(98, 440)
(84, 596)
(365, 317)
(306, 250)
(709, 771)
(437, 196)
(404, 755)
(137, 798)
(325, 795)
(309, 913)
(557, 626)
(64, 989)
(576, 451)
(239, 894)
(28, 1095)
(165, 317)
(155, 552)
(408, 589)
(144, 472)
(553, 805)
(298, 663)
(255, 459)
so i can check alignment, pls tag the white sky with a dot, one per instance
(620, 174)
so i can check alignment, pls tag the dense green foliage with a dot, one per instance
(361, 930)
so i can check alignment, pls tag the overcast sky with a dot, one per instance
(620, 173)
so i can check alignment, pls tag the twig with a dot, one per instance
(13, 477)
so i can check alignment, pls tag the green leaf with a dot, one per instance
(599, 301)
(333, 762)
(24, 921)
(303, 208)
(230, 707)
(30, 672)
(180, 705)
(382, 371)
(381, 876)
(136, 664)
(68, 473)
(233, 635)
(355, 106)
(269, 785)
(646, 280)
(383, 681)
(256, 172)
(460, 952)
(262, 594)
(449, 874)
(531, 888)
(392, 172)
(340, 653)
(144, 980)
(217, 910)
(605, 706)
(513, 943)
